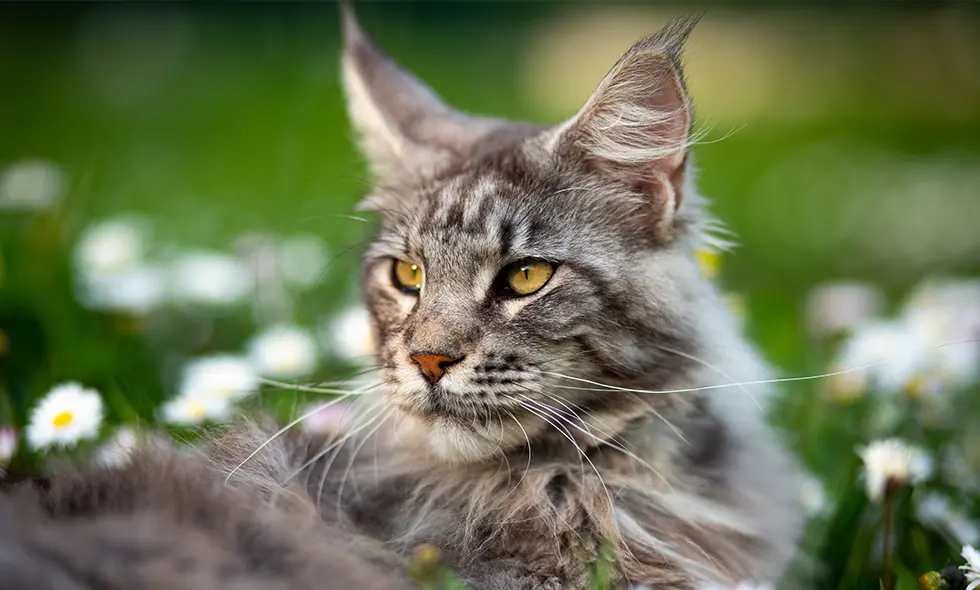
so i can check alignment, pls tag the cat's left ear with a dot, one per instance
(635, 127)
(406, 130)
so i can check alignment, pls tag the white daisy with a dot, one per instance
(30, 185)
(8, 444)
(67, 414)
(960, 463)
(972, 567)
(194, 408)
(210, 278)
(223, 377)
(897, 357)
(136, 291)
(302, 259)
(111, 248)
(936, 510)
(892, 462)
(839, 307)
(350, 336)
(283, 352)
(946, 316)
(813, 496)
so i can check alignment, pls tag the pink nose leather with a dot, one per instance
(434, 366)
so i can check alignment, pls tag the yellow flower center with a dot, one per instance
(917, 387)
(709, 261)
(195, 409)
(63, 419)
(846, 388)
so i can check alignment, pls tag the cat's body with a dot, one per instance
(555, 372)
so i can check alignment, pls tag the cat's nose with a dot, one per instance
(434, 366)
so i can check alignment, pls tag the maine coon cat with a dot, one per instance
(555, 374)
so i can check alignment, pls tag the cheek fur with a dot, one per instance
(388, 305)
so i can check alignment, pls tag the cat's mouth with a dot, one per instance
(437, 403)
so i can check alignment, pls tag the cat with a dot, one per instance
(556, 378)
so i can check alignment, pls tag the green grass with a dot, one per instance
(231, 119)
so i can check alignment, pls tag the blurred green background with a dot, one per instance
(843, 143)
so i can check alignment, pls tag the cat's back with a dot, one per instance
(168, 520)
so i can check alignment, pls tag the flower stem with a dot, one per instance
(886, 537)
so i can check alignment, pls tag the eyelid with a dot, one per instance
(400, 282)
(503, 280)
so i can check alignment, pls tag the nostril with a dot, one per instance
(434, 366)
(448, 363)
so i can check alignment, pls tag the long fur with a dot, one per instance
(600, 414)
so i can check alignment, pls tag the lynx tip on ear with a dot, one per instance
(351, 28)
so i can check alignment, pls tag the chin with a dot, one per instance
(454, 443)
(448, 440)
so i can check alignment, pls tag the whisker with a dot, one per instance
(350, 463)
(738, 384)
(283, 430)
(308, 388)
(606, 442)
(338, 446)
(571, 439)
(713, 368)
(320, 454)
(528, 466)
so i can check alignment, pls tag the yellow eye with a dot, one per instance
(407, 276)
(528, 276)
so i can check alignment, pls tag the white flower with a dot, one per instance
(838, 307)
(961, 463)
(194, 408)
(972, 567)
(110, 248)
(892, 462)
(302, 259)
(283, 352)
(66, 415)
(30, 185)
(936, 510)
(946, 316)
(223, 377)
(813, 496)
(8, 445)
(210, 278)
(136, 291)
(208, 388)
(116, 452)
(350, 336)
(890, 358)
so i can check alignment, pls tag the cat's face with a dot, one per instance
(514, 262)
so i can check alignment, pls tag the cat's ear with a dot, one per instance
(635, 127)
(405, 129)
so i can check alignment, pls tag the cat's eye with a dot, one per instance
(407, 276)
(528, 276)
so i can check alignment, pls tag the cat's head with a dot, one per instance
(514, 262)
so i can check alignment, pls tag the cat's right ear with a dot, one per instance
(406, 130)
(635, 127)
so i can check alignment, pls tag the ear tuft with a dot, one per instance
(351, 28)
(635, 127)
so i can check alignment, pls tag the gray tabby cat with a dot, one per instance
(537, 299)
(556, 379)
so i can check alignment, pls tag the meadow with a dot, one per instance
(177, 185)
